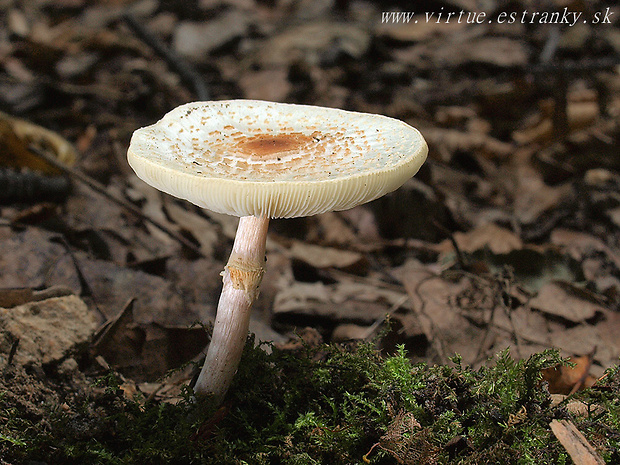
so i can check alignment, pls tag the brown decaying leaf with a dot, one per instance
(499, 240)
(144, 352)
(324, 257)
(16, 135)
(566, 379)
(347, 300)
(566, 301)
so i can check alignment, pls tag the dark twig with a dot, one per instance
(12, 352)
(86, 289)
(99, 188)
(185, 70)
(459, 254)
(560, 89)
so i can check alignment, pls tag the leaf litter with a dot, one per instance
(516, 246)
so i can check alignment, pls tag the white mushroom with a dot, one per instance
(260, 160)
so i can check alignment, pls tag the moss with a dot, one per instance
(325, 405)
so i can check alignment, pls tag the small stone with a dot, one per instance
(47, 330)
(68, 366)
(598, 177)
(350, 332)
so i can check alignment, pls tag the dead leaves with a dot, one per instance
(511, 189)
(565, 301)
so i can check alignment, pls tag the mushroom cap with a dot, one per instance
(249, 157)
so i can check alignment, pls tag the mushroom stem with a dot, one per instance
(242, 277)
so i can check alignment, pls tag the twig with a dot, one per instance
(100, 188)
(370, 331)
(459, 255)
(103, 334)
(86, 289)
(185, 70)
(575, 443)
(12, 352)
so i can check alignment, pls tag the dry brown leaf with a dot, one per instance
(499, 240)
(583, 339)
(566, 379)
(308, 40)
(21, 296)
(580, 116)
(524, 325)
(344, 301)
(565, 301)
(153, 208)
(581, 244)
(16, 135)
(157, 300)
(29, 259)
(533, 197)
(350, 332)
(196, 39)
(147, 351)
(493, 50)
(268, 84)
(202, 230)
(431, 297)
(417, 32)
(330, 229)
(446, 142)
(324, 257)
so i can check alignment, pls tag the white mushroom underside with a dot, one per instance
(279, 160)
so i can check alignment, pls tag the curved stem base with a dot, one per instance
(241, 277)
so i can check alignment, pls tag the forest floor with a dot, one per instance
(507, 238)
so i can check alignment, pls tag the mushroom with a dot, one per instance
(259, 160)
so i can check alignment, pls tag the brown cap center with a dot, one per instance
(264, 145)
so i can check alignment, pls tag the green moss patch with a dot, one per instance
(319, 405)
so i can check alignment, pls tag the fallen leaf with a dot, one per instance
(201, 229)
(351, 301)
(533, 197)
(431, 298)
(30, 259)
(581, 245)
(324, 257)
(310, 40)
(565, 379)
(16, 135)
(417, 31)
(565, 301)
(580, 115)
(267, 84)
(497, 239)
(147, 351)
(196, 39)
(446, 142)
